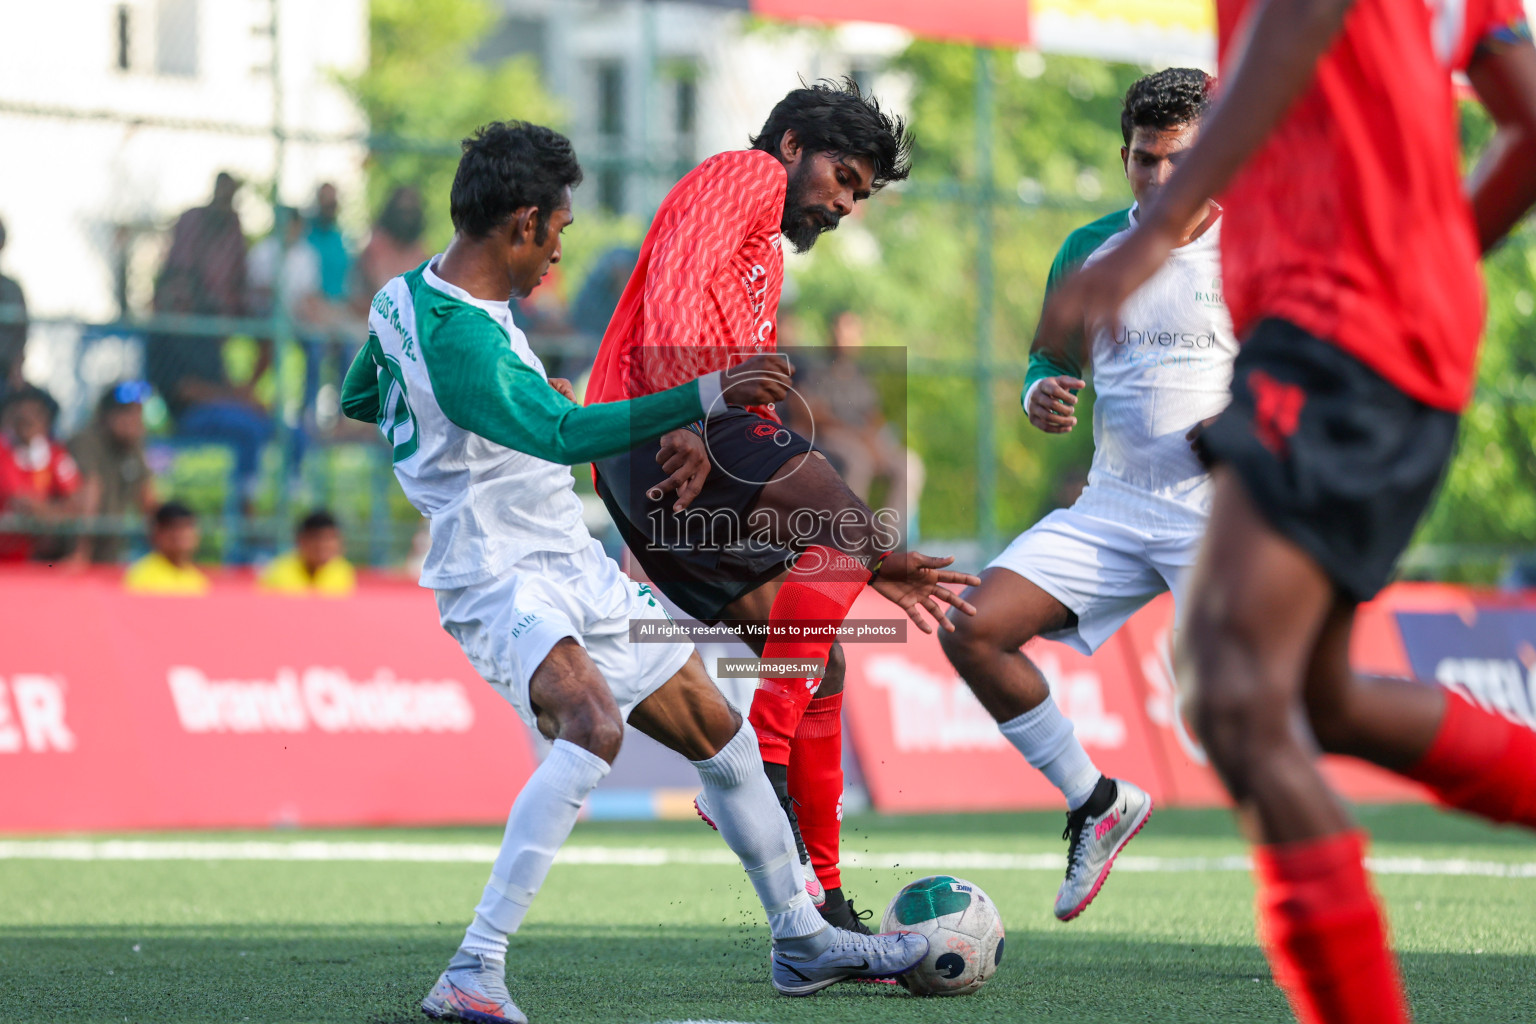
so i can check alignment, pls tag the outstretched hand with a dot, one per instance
(912, 581)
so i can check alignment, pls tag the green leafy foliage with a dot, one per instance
(423, 90)
(909, 263)
(1485, 514)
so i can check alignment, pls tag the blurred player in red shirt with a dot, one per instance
(38, 478)
(762, 528)
(1350, 263)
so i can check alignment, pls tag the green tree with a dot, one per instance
(1485, 514)
(909, 264)
(424, 90)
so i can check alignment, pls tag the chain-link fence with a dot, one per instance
(202, 203)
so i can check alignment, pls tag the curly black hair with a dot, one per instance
(1166, 99)
(835, 117)
(506, 166)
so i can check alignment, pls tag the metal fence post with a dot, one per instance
(986, 435)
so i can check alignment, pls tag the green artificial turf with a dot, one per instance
(239, 941)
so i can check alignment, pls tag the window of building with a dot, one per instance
(122, 37)
(176, 37)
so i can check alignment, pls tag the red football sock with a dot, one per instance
(1323, 932)
(1481, 762)
(816, 597)
(816, 784)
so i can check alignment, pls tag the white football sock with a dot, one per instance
(1044, 736)
(743, 806)
(538, 826)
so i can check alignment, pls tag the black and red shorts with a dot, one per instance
(701, 558)
(1334, 456)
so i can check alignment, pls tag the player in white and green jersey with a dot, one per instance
(1081, 572)
(482, 444)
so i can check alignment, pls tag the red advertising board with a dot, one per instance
(925, 744)
(242, 709)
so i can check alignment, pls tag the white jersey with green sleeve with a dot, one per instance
(482, 444)
(1166, 366)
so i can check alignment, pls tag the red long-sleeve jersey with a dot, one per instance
(706, 287)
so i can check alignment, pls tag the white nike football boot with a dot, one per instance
(473, 988)
(1094, 841)
(850, 955)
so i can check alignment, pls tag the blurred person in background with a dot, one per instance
(316, 565)
(326, 238)
(284, 263)
(600, 292)
(38, 479)
(393, 247)
(205, 273)
(168, 568)
(285, 268)
(850, 426)
(115, 481)
(329, 324)
(13, 328)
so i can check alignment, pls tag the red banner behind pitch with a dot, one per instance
(925, 744)
(242, 709)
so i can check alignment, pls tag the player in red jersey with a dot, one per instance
(1350, 269)
(762, 529)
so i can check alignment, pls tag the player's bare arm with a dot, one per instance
(1278, 58)
(1501, 187)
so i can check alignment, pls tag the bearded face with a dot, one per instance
(806, 215)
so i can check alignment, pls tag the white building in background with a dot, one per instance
(115, 116)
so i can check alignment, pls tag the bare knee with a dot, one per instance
(977, 639)
(1235, 701)
(593, 724)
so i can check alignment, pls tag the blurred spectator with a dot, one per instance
(205, 273)
(393, 248)
(13, 328)
(600, 292)
(316, 564)
(282, 261)
(115, 481)
(168, 568)
(38, 478)
(1521, 574)
(325, 236)
(330, 325)
(850, 427)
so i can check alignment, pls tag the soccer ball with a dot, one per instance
(965, 935)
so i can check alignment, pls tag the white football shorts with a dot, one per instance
(1101, 569)
(508, 626)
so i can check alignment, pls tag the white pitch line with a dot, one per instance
(310, 850)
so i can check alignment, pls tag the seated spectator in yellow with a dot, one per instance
(116, 487)
(168, 569)
(316, 564)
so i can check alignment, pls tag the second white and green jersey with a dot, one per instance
(482, 444)
(1166, 366)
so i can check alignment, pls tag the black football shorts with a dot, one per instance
(1335, 457)
(700, 558)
